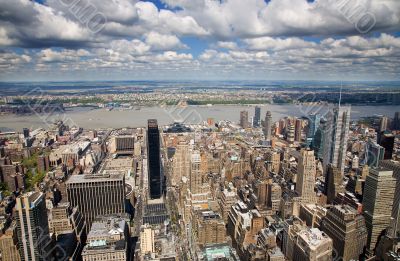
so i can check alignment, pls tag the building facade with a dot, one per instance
(336, 137)
(96, 195)
(9, 244)
(312, 245)
(306, 172)
(244, 119)
(257, 117)
(377, 203)
(34, 239)
(108, 240)
(154, 159)
(347, 230)
(268, 125)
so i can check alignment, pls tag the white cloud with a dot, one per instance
(134, 47)
(13, 61)
(119, 11)
(242, 37)
(49, 55)
(173, 56)
(227, 45)
(377, 56)
(256, 18)
(182, 25)
(270, 43)
(159, 41)
(27, 23)
(4, 39)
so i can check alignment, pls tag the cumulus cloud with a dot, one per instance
(26, 23)
(378, 56)
(227, 45)
(354, 54)
(163, 42)
(13, 61)
(134, 47)
(235, 36)
(49, 55)
(69, 23)
(265, 43)
(256, 18)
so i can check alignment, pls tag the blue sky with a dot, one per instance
(199, 39)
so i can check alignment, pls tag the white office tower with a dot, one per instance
(336, 137)
(268, 125)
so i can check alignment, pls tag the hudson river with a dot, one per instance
(136, 117)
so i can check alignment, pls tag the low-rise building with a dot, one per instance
(108, 240)
(208, 227)
(312, 245)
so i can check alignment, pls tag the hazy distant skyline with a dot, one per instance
(60, 40)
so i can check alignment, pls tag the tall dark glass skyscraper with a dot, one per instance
(386, 140)
(257, 117)
(396, 121)
(154, 166)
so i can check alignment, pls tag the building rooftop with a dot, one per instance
(219, 252)
(208, 215)
(76, 147)
(86, 178)
(313, 237)
(275, 252)
(107, 232)
(33, 197)
(152, 123)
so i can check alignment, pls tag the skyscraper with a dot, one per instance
(154, 161)
(396, 121)
(298, 130)
(208, 227)
(9, 241)
(374, 154)
(97, 195)
(336, 136)
(313, 124)
(383, 123)
(347, 230)
(257, 117)
(386, 140)
(181, 163)
(263, 193)
(395, 167)
(195, 173)
(33, 228)
(333, 183)
(306, 172)
(26, 132)
(377, 203)
(268, 125)
(244, 119)
(291, 133)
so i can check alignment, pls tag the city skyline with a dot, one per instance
(199, 130)
(185, 190)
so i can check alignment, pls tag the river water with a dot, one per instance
(90, 118)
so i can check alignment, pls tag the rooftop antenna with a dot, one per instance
(340, 93)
